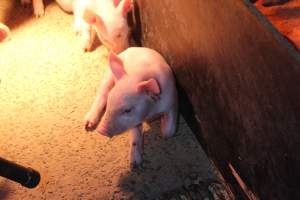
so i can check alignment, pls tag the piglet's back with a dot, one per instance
(145, 62)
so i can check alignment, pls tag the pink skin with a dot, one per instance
(4, 33)
(140, 87)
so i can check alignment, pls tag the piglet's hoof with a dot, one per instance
(89, 126)
(137, 167)
(39, 13)
(91, 121)
(38, 8)
(87, 45)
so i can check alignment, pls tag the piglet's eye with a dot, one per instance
(127, 111)
(119, 35)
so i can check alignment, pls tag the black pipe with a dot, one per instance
(26, 176)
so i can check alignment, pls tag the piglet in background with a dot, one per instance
(39, 8)
(107, 18)
(4, 33)
(139, 87)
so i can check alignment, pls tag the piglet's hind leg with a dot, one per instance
(169, 123)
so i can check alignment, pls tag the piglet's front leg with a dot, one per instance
(84, 30)
(25, 2)
(86, 33)
(93, 117)
(136, 147)
(38, 8)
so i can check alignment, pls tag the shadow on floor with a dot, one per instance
(16, 14)
(165, 169)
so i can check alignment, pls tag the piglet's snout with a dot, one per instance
(103, 131)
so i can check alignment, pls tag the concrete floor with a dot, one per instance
(47, 85)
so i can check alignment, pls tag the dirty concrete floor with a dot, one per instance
(47, 85)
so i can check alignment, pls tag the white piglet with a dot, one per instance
(139, 88)
(108, 18)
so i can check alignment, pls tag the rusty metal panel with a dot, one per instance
(243, 82)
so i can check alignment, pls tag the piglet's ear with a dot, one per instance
(93, 19)
(3, 35)
(116, 66)
(4, 32)
(89, 16)
(116, 3)
(150, 87)
(125, 6)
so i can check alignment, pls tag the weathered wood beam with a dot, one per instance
(243, 82)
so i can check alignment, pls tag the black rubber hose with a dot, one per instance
(26, 176)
